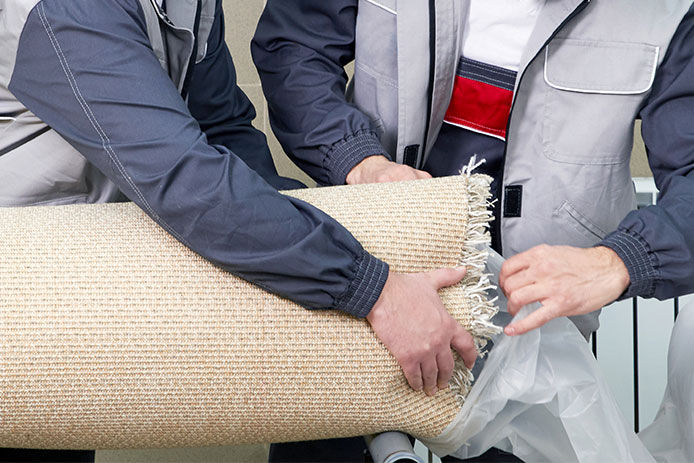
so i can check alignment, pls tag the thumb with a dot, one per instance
(447, 276)
(463, 343)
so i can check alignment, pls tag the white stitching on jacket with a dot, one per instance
(105, 141)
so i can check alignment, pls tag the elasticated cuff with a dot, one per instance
(349, 152)
(366, 286)
(640, 262)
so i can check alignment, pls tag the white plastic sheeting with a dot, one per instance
(671, 436)
(542, 397)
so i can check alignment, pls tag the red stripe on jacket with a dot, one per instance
(480, 107)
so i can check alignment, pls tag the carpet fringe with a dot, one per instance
(474, 257)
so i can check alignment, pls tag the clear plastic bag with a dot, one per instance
(542, 397)
(670, 438)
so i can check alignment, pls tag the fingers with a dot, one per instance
(445, 362)
(379, 169)
(429, 375)
(408, 173)
(447, 276)
(516, 281)
(399, 173)
(413, 373)
(513, 265)
(532, 321)
(524, 296)
(464, 345)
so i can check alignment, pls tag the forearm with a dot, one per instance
(656, 243)
(300, 49)
(657, 246)
(121, 111)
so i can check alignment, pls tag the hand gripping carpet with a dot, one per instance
(114, 335)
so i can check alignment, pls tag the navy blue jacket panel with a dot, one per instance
(300, 49)
(89, 72)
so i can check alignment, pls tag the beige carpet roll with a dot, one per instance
(114, 335)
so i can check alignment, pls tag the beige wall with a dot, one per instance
(639, 162)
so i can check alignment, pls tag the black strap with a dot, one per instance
(194, 54)
(410, 155)
(513, 200)
(24, 140)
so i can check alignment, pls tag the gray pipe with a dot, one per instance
(395, 447)
(391, 447)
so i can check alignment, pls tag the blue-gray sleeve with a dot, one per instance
(657, 243)
(300, 49)
(88, 71)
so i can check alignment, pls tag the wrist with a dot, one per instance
(378, 310)
(615, 265)
(341, 158)
(640, 262)
(366, 287)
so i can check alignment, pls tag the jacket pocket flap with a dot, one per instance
(588, 66)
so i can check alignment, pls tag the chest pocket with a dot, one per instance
(594, 90)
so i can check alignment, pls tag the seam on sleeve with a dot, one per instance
(105, 141)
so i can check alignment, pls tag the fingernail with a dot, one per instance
(431, 392)
(510, 331)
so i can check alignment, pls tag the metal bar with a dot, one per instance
(635, 313)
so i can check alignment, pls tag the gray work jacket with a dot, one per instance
(585, 76)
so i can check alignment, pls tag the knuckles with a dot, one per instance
(541, 250)
(516, 299)
(545, 267)
(504, 270)
(383, 178)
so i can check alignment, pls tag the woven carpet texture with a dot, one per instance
(114, 335)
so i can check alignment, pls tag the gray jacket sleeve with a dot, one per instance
(300, 49)
(87, 70)
(657, 243)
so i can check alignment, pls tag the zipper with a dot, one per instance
(500, 186)
(161, 13)
(194, 53)
(430, 88)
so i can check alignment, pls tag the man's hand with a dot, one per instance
(566, 280)
(410, 319)
(378, 169)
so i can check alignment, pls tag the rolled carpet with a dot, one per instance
(114, 335)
